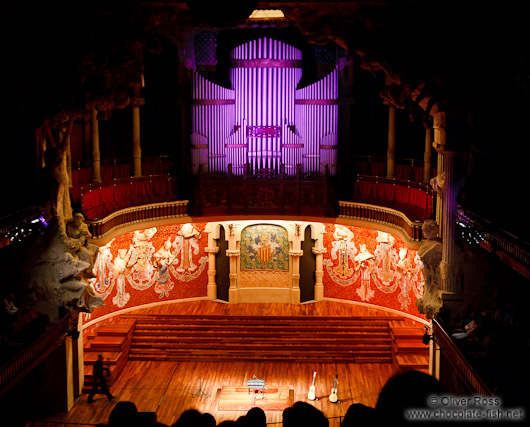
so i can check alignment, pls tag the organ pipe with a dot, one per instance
(263, 121)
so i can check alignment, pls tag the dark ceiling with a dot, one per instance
(469, 57)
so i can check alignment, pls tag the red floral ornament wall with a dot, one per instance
(164, 264)
(372, 267)
(149, 266)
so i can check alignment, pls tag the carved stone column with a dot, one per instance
(234, 258)
(319, 273)
(346, 110)
(448, 196)
(136, 141)
(448, 263)
(295, 290)
(391, 150)
(427, 155)
(212, 285)
(69, 160)
(96, 156)
(438, 143)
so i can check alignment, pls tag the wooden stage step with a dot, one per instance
(410, 346)
(113, 342)
(138, 318)
(108, 343)
(415, 362)
(110, 358)
(407, 333)
(408, 350)
(261, 338)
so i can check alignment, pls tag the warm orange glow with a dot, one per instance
(267, 14)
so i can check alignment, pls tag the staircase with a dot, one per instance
(113, 342)
(408, 349)
(261, 338)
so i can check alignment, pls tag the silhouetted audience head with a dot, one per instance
(208, 420)
(190, 418)
(256, 417)
(124, 414)
(303, 414)
(405, 391)
(359, 415)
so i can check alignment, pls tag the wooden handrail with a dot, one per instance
(138, 214)
(22, 363)
(510, 249)
(395, 181)
(381, 215)
(458, 361)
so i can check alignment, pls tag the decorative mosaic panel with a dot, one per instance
(264, 247)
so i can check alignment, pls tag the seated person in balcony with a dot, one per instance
(8, 305)
(470, 329)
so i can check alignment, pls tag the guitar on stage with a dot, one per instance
(333, 396)
(311, 395)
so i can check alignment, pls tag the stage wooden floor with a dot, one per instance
(169, 388)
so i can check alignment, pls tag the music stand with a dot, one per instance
(199, 392)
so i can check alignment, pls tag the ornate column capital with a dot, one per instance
(232, 252)
(293, 252)
(319, 274)
(319, 251)
(211, 250)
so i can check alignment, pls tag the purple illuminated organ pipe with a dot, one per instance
(264, 96)
(318, 110)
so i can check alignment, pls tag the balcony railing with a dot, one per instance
(462, 369)
(414, 199)
(406, 169)
(136, 215)
(508, 248)
(28, 358)
(264, 192)
(383, 216)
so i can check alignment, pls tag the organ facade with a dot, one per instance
(265, 121)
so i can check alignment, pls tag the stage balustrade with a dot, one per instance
(383, 216)
(121, 218)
